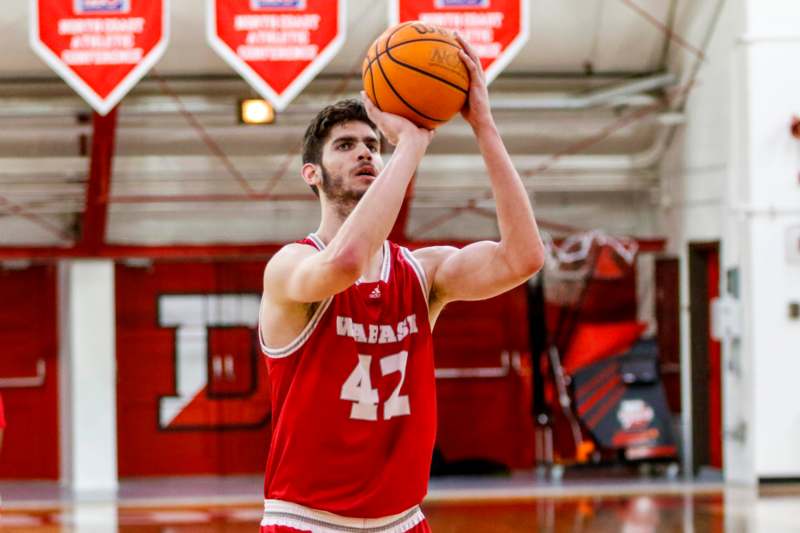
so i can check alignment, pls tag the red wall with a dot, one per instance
(479, 418)
(485, 418)
(29, 332)
(226, 428)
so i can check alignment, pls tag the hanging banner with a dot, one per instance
(497, 29)
(101, 48)
(278, 46)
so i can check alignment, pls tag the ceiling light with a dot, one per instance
(256, 111)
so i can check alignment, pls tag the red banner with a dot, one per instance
(101, 48)
(497, 29)
(278, 46)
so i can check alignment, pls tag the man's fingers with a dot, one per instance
(372, 111)
(470, 64)
(367, 102)
(470, 51)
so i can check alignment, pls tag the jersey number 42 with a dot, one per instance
(358, 389)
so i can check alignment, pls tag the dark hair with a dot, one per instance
(317, 132)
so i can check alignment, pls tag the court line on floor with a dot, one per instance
(456, 494)
(528, 493)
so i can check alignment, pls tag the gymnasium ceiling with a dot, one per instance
(584, 109)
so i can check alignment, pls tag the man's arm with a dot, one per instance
(485, 269)
(301, 274)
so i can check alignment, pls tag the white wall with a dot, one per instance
(696, 167)
(770, 205)
(732, 175)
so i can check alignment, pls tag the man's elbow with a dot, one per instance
(528, 262)
(348, 263)
(532, 265)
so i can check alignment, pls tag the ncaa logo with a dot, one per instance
(259, 5)
(462, 3)
(102, 6)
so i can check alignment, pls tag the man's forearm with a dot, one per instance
(519, 235)
(371, 221)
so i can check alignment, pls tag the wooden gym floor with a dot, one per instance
(454, 505)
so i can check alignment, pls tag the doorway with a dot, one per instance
(705, 356)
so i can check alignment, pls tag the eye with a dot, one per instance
(345, 145)
(372, 147)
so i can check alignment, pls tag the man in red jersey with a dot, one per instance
(346, 320)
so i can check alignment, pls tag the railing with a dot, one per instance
(26, 381)
(507, 361)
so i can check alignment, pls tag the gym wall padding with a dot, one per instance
(205, 438)
(29, 333)
(485, 418)
(225, 429)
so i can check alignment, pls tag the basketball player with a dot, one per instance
(346, 320)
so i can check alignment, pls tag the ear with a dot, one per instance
(312, 174)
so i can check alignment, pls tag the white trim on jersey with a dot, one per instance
(317, 241)
(386, 267)
(418, 270)
(289, 349)
(287, 514)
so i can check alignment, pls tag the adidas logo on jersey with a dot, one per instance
(376, 292)
(376, 333)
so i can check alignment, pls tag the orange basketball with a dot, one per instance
(413, 70)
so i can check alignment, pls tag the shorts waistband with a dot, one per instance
(288, 514)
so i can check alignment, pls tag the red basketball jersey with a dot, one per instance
(354, 398)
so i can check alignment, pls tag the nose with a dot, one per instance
(364, 153)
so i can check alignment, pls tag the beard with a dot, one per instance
(343, 199)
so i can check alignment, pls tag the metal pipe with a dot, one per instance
(629, 93)
(615, 95)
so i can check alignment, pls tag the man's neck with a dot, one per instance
(330, 224)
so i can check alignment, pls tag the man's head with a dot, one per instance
(341, 153)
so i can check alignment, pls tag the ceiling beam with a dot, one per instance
(630, 92)
(95, 215)
(14, 254)
(166, 252)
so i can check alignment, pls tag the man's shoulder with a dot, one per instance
(286, 258)
(429, 259)
(436, 253)
(294, 249)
